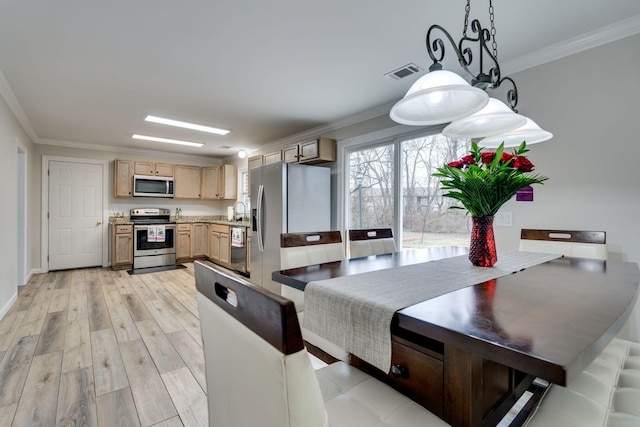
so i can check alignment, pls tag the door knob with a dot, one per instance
(98, 223)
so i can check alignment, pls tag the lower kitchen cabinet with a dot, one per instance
(121, 238)
(219, 244)
(183, 242)
(199, 240)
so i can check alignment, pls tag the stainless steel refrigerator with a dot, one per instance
(285, 198)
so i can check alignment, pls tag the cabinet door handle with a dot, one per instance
(399, 371)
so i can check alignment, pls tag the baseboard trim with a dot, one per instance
(8, 305)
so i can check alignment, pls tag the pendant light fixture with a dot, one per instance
(438, 97)
(493, 119)
(530, 132)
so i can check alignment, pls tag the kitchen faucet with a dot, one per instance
(244, 209)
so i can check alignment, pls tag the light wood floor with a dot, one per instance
(95, 347)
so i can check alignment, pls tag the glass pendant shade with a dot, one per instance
(530, 132)
(438, 97)
(496, 118)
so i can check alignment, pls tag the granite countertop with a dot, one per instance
(190, 220)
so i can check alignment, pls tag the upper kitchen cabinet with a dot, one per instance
(123, 183)
(219, 182)
(254, 162)
(156, 169)
(315, 151)
(272, 157)
(186, 182)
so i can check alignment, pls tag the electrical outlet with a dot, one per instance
(503, 219)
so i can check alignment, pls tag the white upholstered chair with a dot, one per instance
(301, 249)
(605, 394)
(570, 243)
(258, 372)
(371, 242)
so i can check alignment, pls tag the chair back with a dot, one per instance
(570, 243)
(371, 242)
(300, 249)
(257, 370)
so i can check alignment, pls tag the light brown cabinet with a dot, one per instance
(272, 157)
(199, 240)
(219, 244)
(150, 168)
(254, 162)
(314, 151)
(219, 182)
(183, 242)
(121, 246)
(123, 182)
(186, 182)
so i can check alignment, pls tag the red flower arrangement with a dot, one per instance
(483, 181)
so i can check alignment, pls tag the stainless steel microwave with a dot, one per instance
(152, 186)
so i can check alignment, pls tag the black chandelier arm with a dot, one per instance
(512, 94)
(482, 79)
(436, 50)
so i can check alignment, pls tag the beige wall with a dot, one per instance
(591, 103)
(11, 137)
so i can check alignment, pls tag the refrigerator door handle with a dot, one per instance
(259, 218)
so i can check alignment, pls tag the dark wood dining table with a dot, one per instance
(468, 355)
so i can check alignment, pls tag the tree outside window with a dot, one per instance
(426, 217)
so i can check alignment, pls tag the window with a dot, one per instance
(391, 184)
(371, 187)
(426, 217)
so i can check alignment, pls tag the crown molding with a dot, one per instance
(610, 33)
(15, 107)
(328, 127)
(127, 150)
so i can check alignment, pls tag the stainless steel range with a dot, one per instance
(154, 238)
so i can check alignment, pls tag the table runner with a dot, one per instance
(355, 311)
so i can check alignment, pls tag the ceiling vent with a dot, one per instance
(403, 72)
(225, 147)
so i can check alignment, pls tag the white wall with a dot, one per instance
(591, 103)
(11, 136)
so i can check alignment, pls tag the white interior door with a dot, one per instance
(75, 215)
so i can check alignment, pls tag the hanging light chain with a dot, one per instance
(467, 9)
(494, 44)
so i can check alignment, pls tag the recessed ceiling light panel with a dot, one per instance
(166, 140)
(186, 125)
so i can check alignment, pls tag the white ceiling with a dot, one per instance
(86, 73)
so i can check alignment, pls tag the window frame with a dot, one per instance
(394, 136)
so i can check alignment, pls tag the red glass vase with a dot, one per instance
(482, 250)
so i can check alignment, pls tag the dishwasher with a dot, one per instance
(239, 250)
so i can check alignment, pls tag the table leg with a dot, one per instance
(463, 404)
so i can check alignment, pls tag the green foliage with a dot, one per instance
(483, 181)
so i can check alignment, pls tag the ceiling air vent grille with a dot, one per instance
(403, 72)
